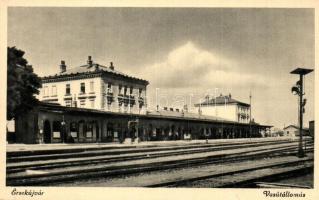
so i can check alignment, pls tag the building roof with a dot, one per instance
(167, 113)
(220, 100)
(91, 69)
(162, 114)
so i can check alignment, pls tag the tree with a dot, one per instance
(22, 84)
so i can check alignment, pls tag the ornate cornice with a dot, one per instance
(68, 77)
(85, 75)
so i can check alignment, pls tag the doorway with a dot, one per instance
(47, 132)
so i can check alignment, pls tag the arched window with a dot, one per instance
(141, 133)
(89, 130)
(150, 129)
(81, 129)
(74, 129)
(118, 132)
(56, 129)
(110, 130)
(158, 133)
(95, 130)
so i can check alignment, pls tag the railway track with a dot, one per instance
(61, 163)
(244, 177)
(227, 174)
(41, 155)
(60, 173)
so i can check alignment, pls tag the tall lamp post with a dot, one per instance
(298, 90)
(250, 131)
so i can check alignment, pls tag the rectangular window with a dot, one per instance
(140, 92)
(46, 91)
(67, 89)
(92, 86)
(54, 91)
(131, 90)
(109, 87)
(120, 89)
(125, 90)
(82, 87)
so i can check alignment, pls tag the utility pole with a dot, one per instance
(298, 90)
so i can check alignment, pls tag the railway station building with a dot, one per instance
(95, 86)
(226, 107)
(293, 131)
(95, 103)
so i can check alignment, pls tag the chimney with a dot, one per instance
(111, 66)
(97, 67)
(90, 62)
(62, 66)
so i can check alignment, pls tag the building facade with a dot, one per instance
(51, 123)
(95, 86)
(95, 103)
(225, 107)
(293, 131)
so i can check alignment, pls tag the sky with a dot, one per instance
(185, 53)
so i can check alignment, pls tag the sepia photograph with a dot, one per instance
(160, 97)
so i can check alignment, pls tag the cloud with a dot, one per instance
(191, 66)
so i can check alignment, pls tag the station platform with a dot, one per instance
(61, 146)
